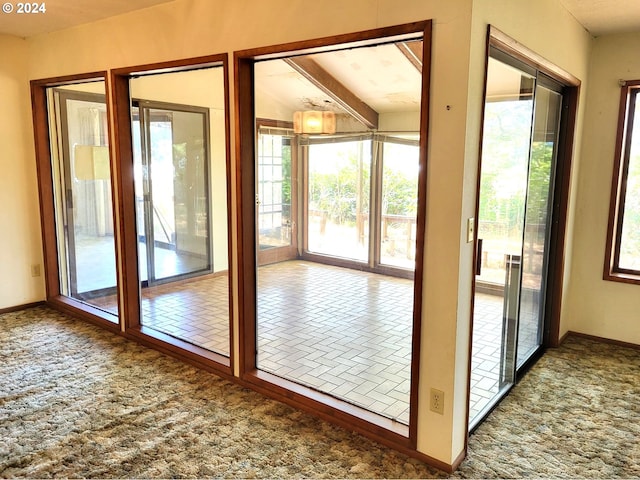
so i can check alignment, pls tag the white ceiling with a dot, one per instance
(603, 17)
(599, 17)
(62, 14)
(380, 76)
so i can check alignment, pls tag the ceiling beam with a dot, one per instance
(413, 52)
(344, 97)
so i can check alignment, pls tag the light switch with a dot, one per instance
(471, 229)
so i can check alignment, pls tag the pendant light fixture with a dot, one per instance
(314, 122)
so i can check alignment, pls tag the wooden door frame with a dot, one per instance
(127, 229)
(45, 175)
(321, 405)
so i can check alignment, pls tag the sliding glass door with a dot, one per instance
(521, 127)
(172, 192)
(181, 211)
(83, 195)
(537, 225)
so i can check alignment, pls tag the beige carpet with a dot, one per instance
(77, 401)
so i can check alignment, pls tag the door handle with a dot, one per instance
(479, 257)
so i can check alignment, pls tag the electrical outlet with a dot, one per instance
(437, 401)
(35, 270)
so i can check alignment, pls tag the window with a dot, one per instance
(623, 241)
(74, 169)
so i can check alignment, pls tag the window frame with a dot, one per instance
(44, 167)
(629, 92)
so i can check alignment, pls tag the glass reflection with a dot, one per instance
(83, 194)
(181, 205)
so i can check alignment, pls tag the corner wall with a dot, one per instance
(20, 241)
(595, 306)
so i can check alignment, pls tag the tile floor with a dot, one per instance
(485, 352)
(195, 311)
(344, 332)
(95, 262)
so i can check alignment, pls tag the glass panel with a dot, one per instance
(139, 172)
(180, 185)
(339, 190)
(179, 191)
(400, 167)
(503, 187)
(342, 331)
(274, 190)
(536, 232)
(630, 239)
(83, 195)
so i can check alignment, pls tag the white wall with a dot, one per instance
(20, 241)
(595, 306)
(541, 26)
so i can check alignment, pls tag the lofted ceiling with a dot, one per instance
(380, 77)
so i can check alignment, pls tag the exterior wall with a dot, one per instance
(597, 307)
(20, 243)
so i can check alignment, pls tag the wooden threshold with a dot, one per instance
(84, 311)
(184, 351)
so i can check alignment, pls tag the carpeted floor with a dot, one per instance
(77, 401)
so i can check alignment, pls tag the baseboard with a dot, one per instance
(460, 458)
(17, 308)
(431, 461)
(595, 338)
